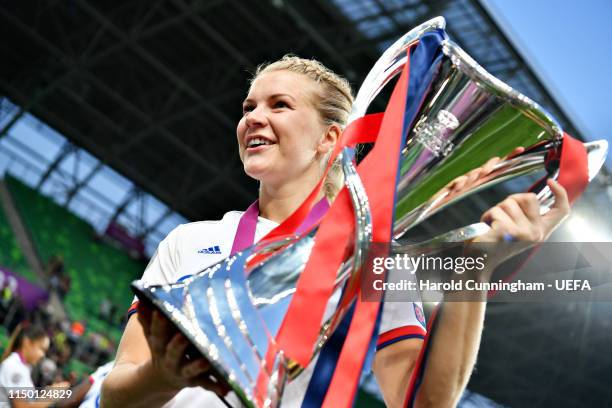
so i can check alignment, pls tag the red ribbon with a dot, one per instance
(573, 167)
(378, 172)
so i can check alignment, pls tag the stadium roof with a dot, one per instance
(153, 89)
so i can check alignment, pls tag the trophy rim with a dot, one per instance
(467, 65)
(393, 58)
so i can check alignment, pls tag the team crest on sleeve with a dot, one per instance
(16, 378)
(418, 312)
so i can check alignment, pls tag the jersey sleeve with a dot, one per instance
(17, 376)
(401, 321)
(163, 265)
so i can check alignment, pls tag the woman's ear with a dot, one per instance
(330, 138)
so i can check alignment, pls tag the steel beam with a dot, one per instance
(155, 223)
(215, 35)
(155, 63)
(66, 149)
(77, 187)
(321, 41)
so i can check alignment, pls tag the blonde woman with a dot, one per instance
(293, 114)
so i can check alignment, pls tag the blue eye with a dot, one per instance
(280, 104)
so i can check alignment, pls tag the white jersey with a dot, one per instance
(14, 372)
(192, 247)
(92, 398)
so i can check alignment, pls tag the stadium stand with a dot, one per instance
(97, 271)
(4, 338)
(11, 256)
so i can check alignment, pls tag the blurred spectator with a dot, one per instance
(59, 339)
(73, 377)
(65, 325)
(64, 355)
(9, 290)
(55, 266)
(108, 310)
(72, 348)
(98, 341)
(59, 281)
(65, 283)
(27, 346)
(46, 372)
(77, 329)
(12, 310)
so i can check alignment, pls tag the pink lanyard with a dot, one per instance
(245, 234)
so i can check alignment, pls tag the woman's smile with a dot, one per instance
(258, 143)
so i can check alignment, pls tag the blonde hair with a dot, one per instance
(334, 103)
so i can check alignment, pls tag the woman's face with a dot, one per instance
(281, 134)
(35, 349)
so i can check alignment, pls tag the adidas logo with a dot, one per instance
(210, 250)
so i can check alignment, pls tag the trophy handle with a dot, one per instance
(361, 207)
(596, 156)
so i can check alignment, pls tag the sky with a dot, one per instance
(569, 45)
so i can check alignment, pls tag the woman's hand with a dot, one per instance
(169, 360)
(518, 218)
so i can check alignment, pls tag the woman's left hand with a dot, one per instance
(518, 218)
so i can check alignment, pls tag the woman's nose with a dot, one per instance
(255, 118)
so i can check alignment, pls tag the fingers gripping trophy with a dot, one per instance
(450, 129)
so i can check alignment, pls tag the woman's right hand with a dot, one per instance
(173, 366)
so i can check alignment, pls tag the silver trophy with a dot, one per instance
(230, 312)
